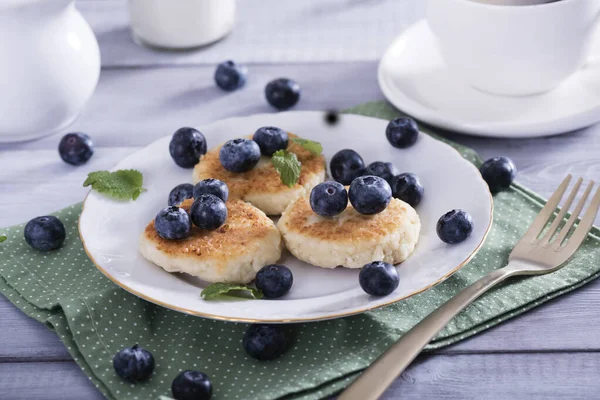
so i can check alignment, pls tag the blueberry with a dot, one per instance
(392, 169)
(172, 223)
(180, 193)
(499, 173)
(191, 385)
(208, 212)
(134, 364)
(76, 148)
(378, 278)
(45, 233)
(274, 280)
(407, 187)
(265, 342)
(332, 117)
(329, 199)
(381, 169)
(454, 226)
(369, 194)
(346, 165)
(270, 139)
(212, 186)
(282, 93)
(230, 76)
(239, 155)
(186, 147)
(402, 132)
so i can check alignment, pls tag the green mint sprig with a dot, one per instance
(214, 291)
(315, 148)
(121, 184)
(287, 166)
(3, 238)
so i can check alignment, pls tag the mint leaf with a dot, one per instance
(315, 148)
(220, 289)
(121, 184)
(288, 167)
(3, 238)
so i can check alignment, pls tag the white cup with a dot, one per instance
(513, 50)
(181, 24)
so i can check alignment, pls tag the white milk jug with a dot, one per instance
(49, 67)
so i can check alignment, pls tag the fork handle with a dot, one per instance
(371, 384)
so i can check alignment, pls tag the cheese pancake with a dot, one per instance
(232, 253)
(350, 239)
(262, 185)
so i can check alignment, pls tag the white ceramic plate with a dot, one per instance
(110, 229)
(414, 78)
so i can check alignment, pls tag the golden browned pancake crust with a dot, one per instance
(245, 224)
(349, 239)
(349, 226)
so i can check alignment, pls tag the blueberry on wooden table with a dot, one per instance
(455, 226)
(378, 278)
(172, 223)
(45, 233)
(274, 280)
(187, 146)
(134, 364)
(239, 155)
(402, 132)
(329, 199)
(381, 169)
(208, 212)
(230, 76)
(264, 341)
(76, 148)
(270, 139)
(191, 385)
(346, 165)
(211, 186)
(499, 173)
(408, 188)
(282, 93)
(180, 193)
(369, 194)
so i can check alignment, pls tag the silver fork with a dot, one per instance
(538, 252)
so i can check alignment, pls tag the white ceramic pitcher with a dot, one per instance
(49, 67)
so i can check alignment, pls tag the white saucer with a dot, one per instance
(414, 78)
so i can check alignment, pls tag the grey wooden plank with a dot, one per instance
(500, 376)
(267, 31)
(133, 107)
(45, 381)
(542, 162)
(45, 183)
(460, 377)
(24, 339)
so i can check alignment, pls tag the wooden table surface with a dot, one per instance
(550, 352)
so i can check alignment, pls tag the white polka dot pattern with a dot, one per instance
(95, 319)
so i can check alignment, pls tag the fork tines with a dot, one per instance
(536, 235)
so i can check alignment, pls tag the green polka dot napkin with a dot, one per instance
(95, 318)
